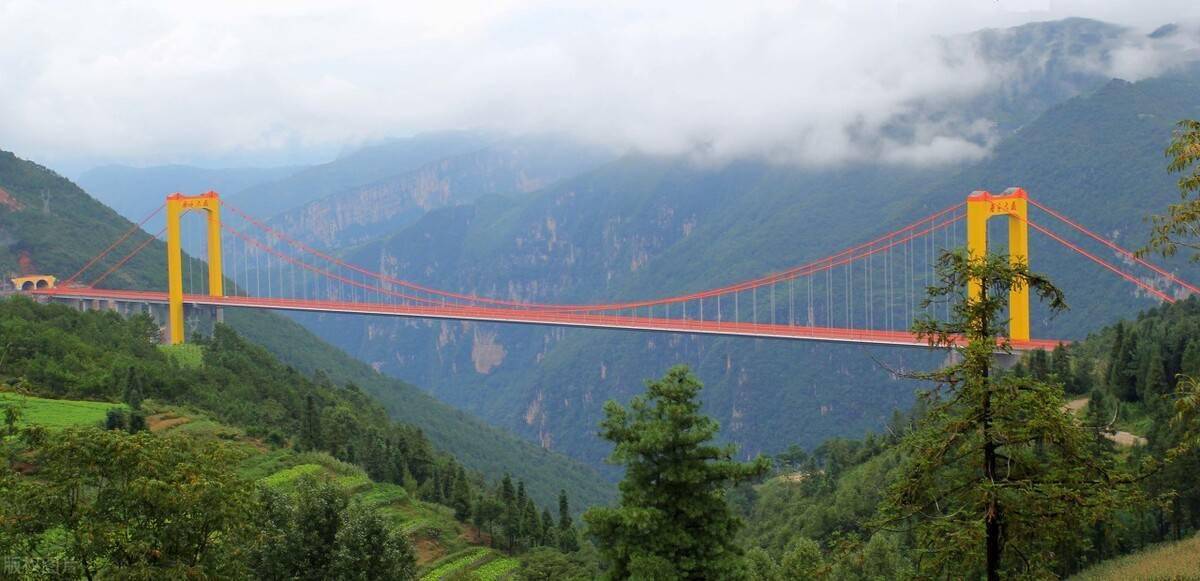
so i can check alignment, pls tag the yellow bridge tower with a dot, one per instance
(177, 205)
(1014, 204)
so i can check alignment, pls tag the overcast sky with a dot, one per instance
(250, 83)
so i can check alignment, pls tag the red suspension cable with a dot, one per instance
(1102, 262)
(122, 262)
(110, 248)
(317, 270)
(815, 266)
(1116, 248)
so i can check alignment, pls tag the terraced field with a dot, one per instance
(455, 563)
(499, 568)
(430, 526)
(482, 564)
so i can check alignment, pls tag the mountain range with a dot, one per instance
(550, 220)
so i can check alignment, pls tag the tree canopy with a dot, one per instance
(672, 520)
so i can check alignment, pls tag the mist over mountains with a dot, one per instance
(552, 218)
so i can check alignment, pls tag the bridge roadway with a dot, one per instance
(531, 317)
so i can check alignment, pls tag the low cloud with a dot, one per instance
(813, 82)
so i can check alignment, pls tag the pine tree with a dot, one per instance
(461, 497)
(409, 482)
(546, 537)
(997, 472)
(1083, 379)
(1039, 365)
(568, 542)
(531, 525)
(1153, 375)
(1190, 364)
(310, 427)
(1122, 365)
(672, 519)
(511, 516)
(1060, 368)
(133, 389)
(506, 489)
(1096, 417)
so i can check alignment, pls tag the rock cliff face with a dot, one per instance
(365, 212)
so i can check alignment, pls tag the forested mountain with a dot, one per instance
(50, 225)
(644, 227)
(1040, 65)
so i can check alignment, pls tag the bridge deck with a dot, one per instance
(534, 317)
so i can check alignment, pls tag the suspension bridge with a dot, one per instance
(868, 293)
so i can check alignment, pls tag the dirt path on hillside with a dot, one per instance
(1120, 437)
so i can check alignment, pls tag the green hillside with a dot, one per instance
(80, 380)
(53, 226)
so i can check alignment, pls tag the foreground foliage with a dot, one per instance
(103, 501)
(1180, 226)
(999, 476)
(672, 521)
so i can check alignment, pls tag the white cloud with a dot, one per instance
(810, 82)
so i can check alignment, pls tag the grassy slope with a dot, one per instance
(1178, 560)
(53, 413)
(58, 227)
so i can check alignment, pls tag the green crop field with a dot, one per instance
(288, 477)
(497, 569)
(454, 563)
(185, 354)
(58, 413)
